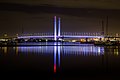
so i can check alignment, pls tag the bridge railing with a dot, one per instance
(80, 34)
(63, 34)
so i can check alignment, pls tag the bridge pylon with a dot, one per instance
(57, 27)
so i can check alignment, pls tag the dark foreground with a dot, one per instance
(71, 74)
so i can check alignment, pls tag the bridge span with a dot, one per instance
(64, 36)
(57, 33)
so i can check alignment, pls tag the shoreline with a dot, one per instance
(15, 44)
(46, 45)
(56, 45)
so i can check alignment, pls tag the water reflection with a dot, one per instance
(56, 57)
(4, 49)
(57, 51)
(16, 50)
(116, 52)
(83, 50)
(80, 50)
(36, 49)
(112, 50)
(62, 60)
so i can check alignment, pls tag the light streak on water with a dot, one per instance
(59, 56)
(55, 52)
(80, 50)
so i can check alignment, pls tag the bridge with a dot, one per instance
(64, 36)
(57, 34)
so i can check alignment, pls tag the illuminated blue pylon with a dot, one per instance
(56, 28)
(59, 27)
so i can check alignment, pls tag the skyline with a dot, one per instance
(38, 18)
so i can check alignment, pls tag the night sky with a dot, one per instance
(36, 16)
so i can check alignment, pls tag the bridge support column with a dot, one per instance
(58, 38)
(55, 29)
(59, 27)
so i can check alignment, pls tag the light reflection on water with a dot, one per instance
(64, 50)
(80, 56)
(4, 49)
(81, 50)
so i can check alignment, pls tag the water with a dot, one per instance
(61, 62)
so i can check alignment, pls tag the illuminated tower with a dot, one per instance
(55, 29)
(59, 27)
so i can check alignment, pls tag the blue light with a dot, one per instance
(59, 27)
(55, 36)
(83, 50)
(55, 51)
(58, 56)
(35, 49)
(55, 31)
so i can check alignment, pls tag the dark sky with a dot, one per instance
(36, 16)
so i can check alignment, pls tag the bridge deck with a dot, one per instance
(64, 36)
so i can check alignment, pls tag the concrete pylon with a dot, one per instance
(59, 27)
(56, 28)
